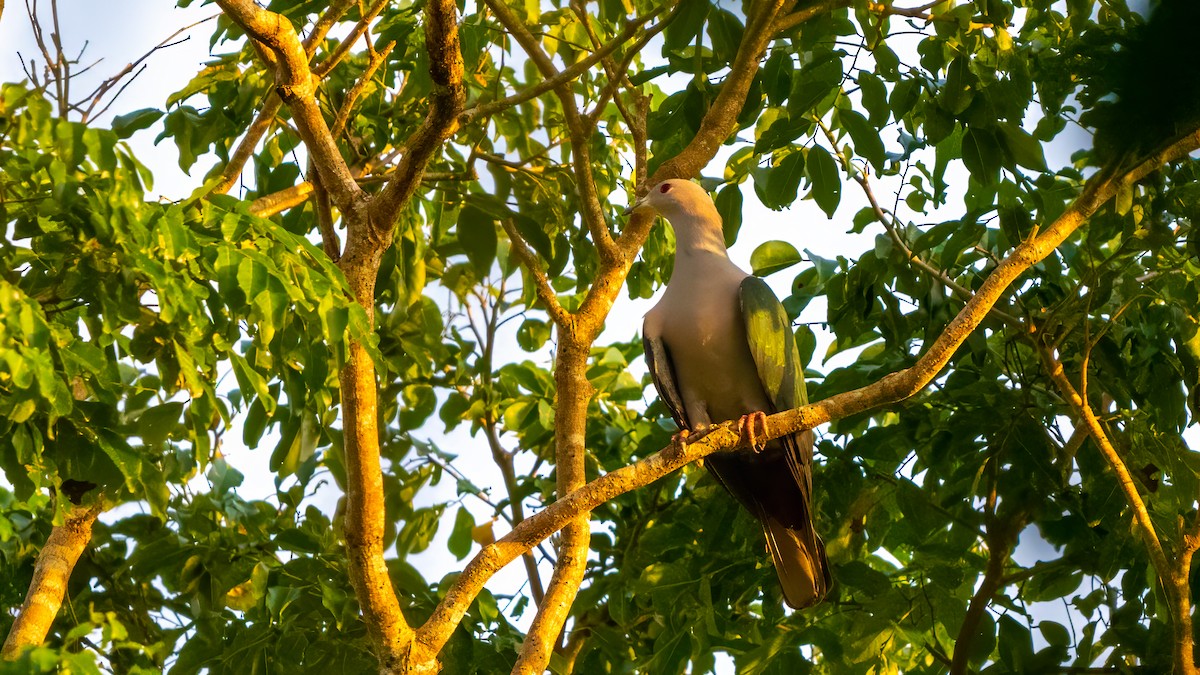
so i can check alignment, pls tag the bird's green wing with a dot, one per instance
(786, 513)
(769, 333)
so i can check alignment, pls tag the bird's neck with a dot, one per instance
(700, 245)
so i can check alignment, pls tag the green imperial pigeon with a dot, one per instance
(720, 347)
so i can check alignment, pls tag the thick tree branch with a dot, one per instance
(50, 575)
(369, 233)
(446, 101)
(1002, 538)
(365, 512)
(296, 86)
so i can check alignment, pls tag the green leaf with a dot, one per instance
(729, 207)
(250, 380)
(1016, 644)
(874, 97)
(687, 25)
(725, 30)
(981, 155)
(867, 142)
(532, 334)
(783, 181)
(959, 88)
(223, 477)
(418, 531)
(1055, 633)
(477, 236)
(812, 83)
(157, 423)
(459, 543)
(126, 125)
(1024, 149)
(826, 180)
(777, 76)
(454, 409)
(905, 95)
(773, 256)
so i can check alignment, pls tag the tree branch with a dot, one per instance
(571, 72)
(542, 286)
(501, 457)
(581, 158)
(721, 119)
(51, 573)
(343, 114)
(790, 21)
(446, 101)
(1174, 582)
(241, 154)
(270, 107)
(323, 68)
(902, 384)
(890, 225)
(719, 122)
(296, 86)
(329, 238)
(1002, 537)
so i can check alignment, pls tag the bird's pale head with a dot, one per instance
(680, 201)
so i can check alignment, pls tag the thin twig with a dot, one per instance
(542, 287)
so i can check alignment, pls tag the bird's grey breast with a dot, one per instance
(701, 324)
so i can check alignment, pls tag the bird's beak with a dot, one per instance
(641, 203)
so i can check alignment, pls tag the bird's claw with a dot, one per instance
(688, 437)
(752, 429)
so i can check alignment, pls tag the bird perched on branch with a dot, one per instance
(720, 347)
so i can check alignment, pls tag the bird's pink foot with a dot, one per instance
(686, 437)
(681, 438)
(753, 430)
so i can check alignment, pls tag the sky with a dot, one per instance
(117, 33)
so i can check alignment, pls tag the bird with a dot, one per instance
(719, 347)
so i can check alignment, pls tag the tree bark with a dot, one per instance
(573, 393)
(51, 573)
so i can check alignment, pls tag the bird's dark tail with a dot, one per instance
(799, 557)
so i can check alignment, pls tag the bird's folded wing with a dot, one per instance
(662, 372)
(772, 344)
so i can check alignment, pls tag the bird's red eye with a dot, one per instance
(665, 188)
